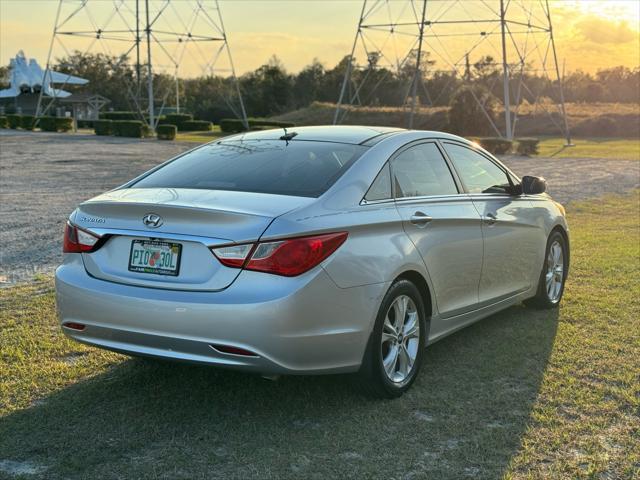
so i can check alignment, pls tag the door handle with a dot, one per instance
(420, 219)
(490, 218)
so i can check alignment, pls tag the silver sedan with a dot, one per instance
(307, 251)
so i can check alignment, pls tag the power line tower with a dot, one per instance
(414, 40)
(164, 37)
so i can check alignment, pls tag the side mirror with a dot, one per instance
(533, 185)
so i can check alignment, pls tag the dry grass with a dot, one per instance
(597, 119)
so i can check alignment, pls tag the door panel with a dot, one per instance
(509, 229)
(508, 224)
(451, 246)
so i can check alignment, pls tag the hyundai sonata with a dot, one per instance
(314, 250)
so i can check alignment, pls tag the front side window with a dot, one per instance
(301, 168)
(421, 170)
(477, 172)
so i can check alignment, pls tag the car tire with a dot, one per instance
(553, 274)
(390, 367)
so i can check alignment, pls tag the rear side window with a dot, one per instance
(381, 187)
(300, 168)
(421, 171)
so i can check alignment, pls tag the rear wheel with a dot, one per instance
(396, 346)
(553, 275)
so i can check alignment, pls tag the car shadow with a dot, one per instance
(464, 416)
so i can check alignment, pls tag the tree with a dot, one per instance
(308, 83)
(268, 90)
(109, 76)
(467, 116)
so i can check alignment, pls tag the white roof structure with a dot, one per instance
(28, 77)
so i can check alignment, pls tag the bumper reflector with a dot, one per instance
(230, 350)
(74, 326)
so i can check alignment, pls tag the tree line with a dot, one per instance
(271, 90)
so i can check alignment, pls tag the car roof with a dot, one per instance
(352, 134)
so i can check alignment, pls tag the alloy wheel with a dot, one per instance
(555, 272)
(400, 339)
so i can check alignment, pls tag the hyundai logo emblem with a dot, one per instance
(152, 220)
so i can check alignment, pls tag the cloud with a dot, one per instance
(600, 31)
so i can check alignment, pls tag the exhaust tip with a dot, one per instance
(231, 350)
(74, 326)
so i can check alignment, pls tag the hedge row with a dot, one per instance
(85, 123)
(500, 146)
(119, 116)
(55, 124)
(121, 128)
(29, 122)
(14, 120)
(231, 125)
(166, 132)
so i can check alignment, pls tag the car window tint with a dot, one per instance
(477, 172)
(381, 187)
(302, 168)
(422, 170)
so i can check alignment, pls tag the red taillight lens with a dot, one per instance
(77, 240)
(289, 257)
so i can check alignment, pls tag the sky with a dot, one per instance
(590, 34)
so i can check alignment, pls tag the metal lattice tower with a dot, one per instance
(418, 38)
(153, 37)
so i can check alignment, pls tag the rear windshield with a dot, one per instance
(301, 168)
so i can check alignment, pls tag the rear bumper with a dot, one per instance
(298, 325)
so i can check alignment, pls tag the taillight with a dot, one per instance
(289, 257)
(77, 240)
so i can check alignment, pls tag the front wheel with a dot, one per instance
(392, 360)
(553, 275)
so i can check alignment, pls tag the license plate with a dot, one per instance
(151, 256)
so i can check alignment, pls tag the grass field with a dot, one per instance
(522, 394)
(615, 148)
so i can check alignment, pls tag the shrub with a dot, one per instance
(265, 122)
(128, 128)
(527, 146)
(497, 146)
(166, 132)
(466, 116)
(103, 127)
(4, 123)
(601, 126)
(177, 118)
(195, 126)
(47, 124)
(64, 124)
(27, 122)
(231, 125)
(85, 123)
(14, 120)
(119, 116)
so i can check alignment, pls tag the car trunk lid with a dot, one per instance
(186, 221)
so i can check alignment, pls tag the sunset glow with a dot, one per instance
(590, 34)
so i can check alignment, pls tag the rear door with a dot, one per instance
(509, 224)
(442, 223)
